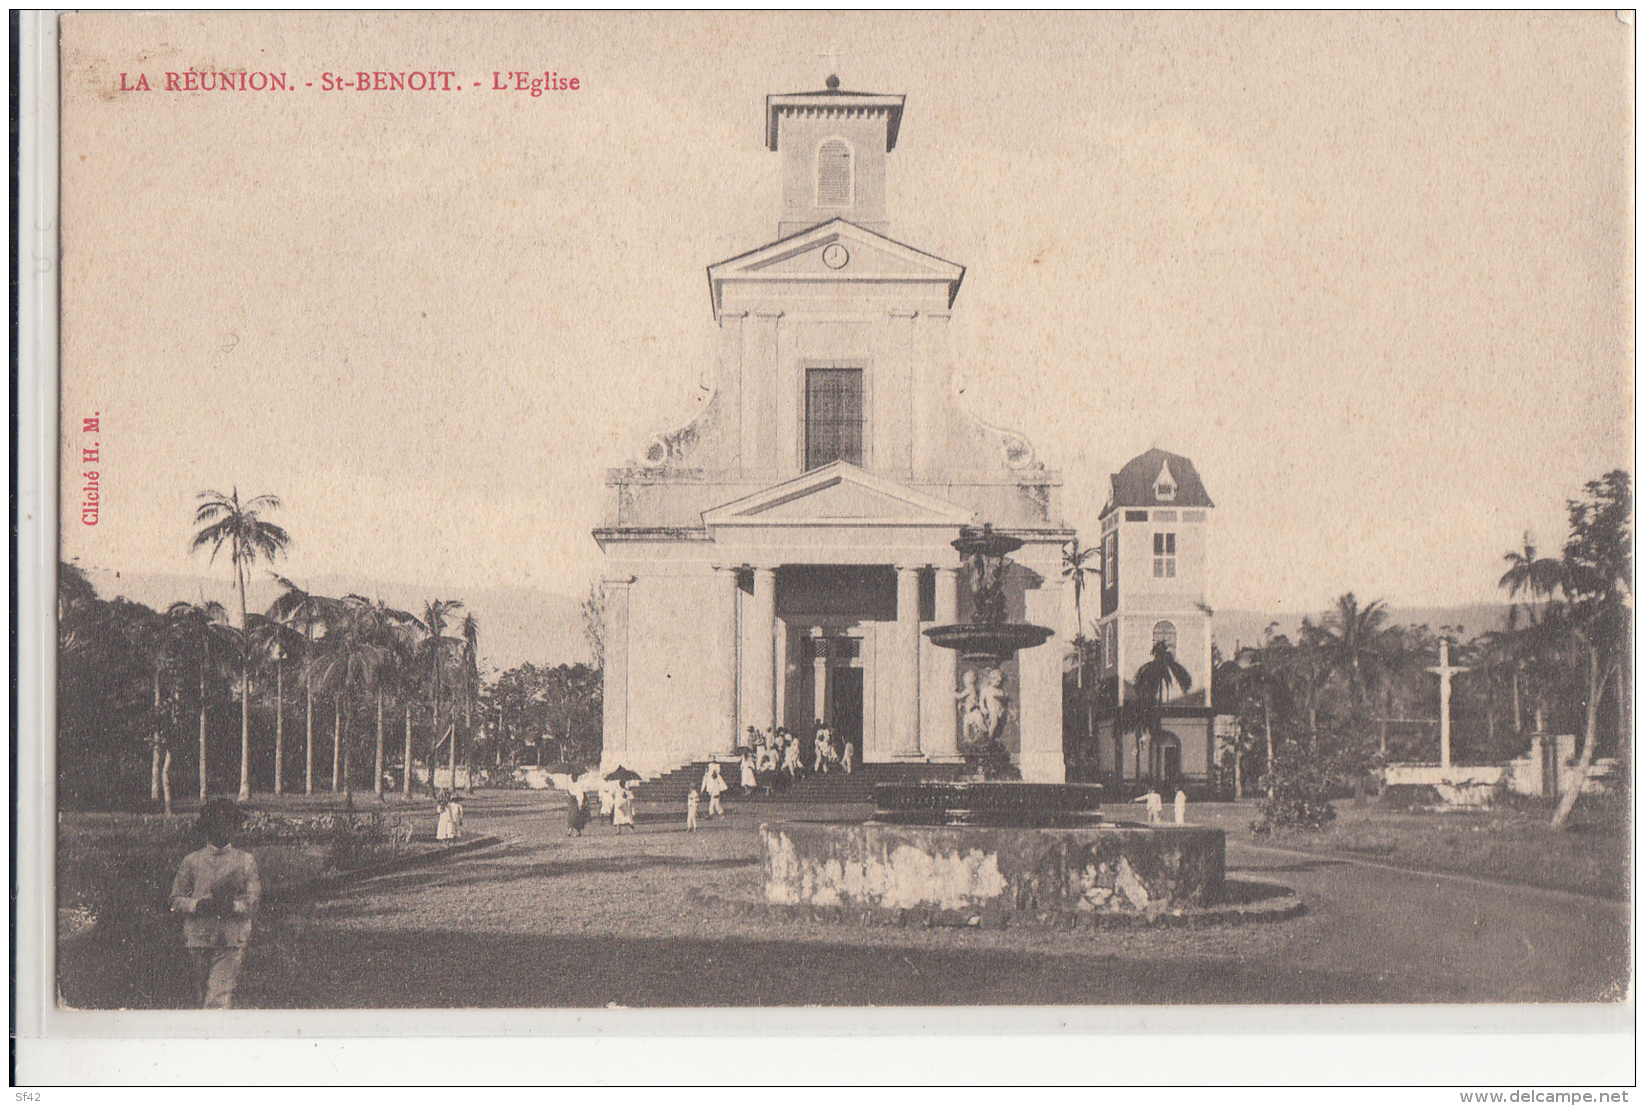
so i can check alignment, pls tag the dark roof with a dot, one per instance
(871, 101)
(1133, 485)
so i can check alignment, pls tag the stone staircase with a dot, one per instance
(669, 789)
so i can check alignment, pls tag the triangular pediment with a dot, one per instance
(839, 253)
(840, 494)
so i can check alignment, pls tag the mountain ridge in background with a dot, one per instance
(1232, 629)
(519, 623)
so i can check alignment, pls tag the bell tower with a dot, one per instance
(833, 144)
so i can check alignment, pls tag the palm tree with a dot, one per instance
(298, 607)
(1354, 641)
(1075, 568)
(1267, 668)
(1538, 577)
(354, 661)
(1309, 671)
(1076, 565)
(275, 642)
(435, 649)
(223, 519)
(470, 633)
(201, 635)
(391, 631)
(1154, 681)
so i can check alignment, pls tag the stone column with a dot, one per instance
(819, 677)
(1039, 682)
(905, 661)
(615, 697)
(941, 718)
(724, 738)
(761, 668)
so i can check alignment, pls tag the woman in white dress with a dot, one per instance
(749, 780)
(622, 810)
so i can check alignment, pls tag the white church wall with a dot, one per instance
(672, 711)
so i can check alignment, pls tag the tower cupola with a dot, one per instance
(833, 144)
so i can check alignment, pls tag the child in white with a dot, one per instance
(691, 801)
(714, 784)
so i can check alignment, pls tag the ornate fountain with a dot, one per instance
(985, 643)
(990, 845)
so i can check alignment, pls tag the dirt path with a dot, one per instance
(547, 920)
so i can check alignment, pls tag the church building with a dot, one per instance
(775, 561)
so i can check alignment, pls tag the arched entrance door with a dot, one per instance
(1165, 761)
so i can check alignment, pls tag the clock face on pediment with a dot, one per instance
(836, 251)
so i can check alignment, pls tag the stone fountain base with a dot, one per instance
(993, 871)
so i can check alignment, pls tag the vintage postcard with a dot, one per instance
(991, 522)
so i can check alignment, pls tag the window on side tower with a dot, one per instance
(833, 416)
(1165, 556)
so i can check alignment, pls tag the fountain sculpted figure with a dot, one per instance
(994, 702)
(973, 719)
(983, 705)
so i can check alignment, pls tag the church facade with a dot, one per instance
(775, 561)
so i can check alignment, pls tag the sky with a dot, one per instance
(1372, 273)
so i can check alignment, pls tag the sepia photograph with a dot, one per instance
(843, 511)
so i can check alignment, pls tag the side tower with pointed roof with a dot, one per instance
(773, 562)
(1155, 557)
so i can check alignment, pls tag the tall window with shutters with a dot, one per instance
(1165, 555)
(833, 416)
(834, 174)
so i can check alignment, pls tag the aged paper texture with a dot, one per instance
(411, 308)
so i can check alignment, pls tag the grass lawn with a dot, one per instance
(1592, 855)
(550, 920)
(116, 935)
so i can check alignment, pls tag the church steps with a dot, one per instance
(670, 788)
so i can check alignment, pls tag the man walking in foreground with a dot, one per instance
(216, 891)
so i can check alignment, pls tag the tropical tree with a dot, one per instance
(435, 651)
(1155, 679)
(274, 642)
(593, 612)
(469, 674)
(297, 607)
(204, 640)
(355, 654)
(1353, 639)
(392, 631)
(1309, 670)
(1597, 580)
(1538, 577)
(224, 520)
(1077, 564)
(1267, 671)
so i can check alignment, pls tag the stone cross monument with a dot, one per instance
(1445, 671)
